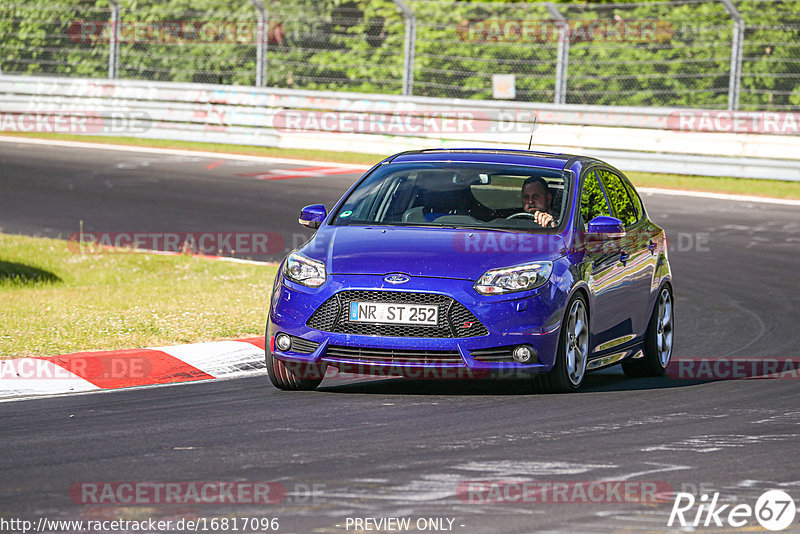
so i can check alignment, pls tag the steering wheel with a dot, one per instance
(525, 215)
(521, 214)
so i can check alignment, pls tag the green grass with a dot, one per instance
(737, 186)
(55, 301)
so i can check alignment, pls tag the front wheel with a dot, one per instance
(292, 376)
(573, 351)
(658, 340)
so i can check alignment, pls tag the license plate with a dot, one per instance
(378, 312)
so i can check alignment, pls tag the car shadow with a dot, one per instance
(601, 381)
(25, 274)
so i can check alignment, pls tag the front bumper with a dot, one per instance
(531, 318)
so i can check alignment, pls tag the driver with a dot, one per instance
(536, 199)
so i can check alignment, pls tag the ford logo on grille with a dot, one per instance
(396, 278)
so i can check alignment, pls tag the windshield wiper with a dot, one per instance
(478, 227)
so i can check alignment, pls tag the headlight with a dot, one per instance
(304, 270)
(510, 279)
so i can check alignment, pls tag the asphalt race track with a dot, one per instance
(399, 448)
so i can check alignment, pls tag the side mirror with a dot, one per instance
(312, 216)
(606, 226)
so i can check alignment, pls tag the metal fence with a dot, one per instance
(717, 54)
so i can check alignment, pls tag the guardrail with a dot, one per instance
(634, 139)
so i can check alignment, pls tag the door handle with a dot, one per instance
(652, 247)
(624, 257)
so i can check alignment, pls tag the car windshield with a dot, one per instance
(458, 194)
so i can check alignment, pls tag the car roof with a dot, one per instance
(546, 160)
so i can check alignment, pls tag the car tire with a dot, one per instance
(292, 376)
(658, 339)
(573, 351)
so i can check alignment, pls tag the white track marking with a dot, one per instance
(178, 152)
(715, 443)
(22, 377)
(219, 358)
(661, 468)
(717, 196)
(505, 469)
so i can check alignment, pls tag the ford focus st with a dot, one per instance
(466, 263)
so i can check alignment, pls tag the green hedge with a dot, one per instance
(358, 46)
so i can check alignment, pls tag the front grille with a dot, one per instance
(494, 354)
(367, 355)
(303, 346)
(454, 319)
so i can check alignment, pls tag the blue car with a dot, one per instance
(468, 263)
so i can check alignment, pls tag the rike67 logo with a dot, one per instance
(774, 510)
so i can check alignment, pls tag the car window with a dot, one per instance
(621, 204)
(637, 202)
(454, 194)
(593, 201)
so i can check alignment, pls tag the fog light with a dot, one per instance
(283, 342)
(524, 354)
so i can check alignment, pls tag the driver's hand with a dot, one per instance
(544, 219)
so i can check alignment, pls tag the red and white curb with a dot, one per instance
(106, 370)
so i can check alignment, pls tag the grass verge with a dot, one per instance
(55, 301)
(732, 186)
(735, 186)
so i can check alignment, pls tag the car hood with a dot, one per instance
(433, 252)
